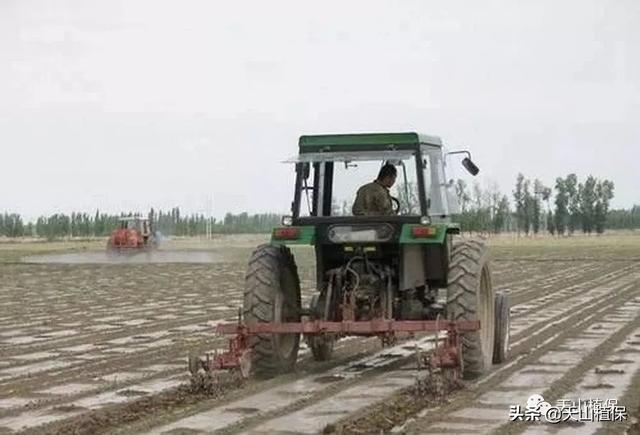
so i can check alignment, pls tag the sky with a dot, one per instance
(123, 105)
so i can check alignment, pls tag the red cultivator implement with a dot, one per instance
(446, 354)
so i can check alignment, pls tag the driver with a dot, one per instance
(374, 199)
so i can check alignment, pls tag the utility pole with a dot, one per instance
(209, 223)
(211, 218)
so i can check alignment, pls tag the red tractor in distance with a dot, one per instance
(134, 234)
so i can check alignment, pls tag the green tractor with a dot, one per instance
(376, 275)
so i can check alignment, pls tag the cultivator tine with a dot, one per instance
(206, 371)
(442, 367)
(195, 364)
(198, 370)
(206, 378)
(436, 334)
(388, 339)
(419, 358)
(205, 382)
(244, 367)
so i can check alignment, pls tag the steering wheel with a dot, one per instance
(395, 209)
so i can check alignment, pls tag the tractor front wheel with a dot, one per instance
(272, 294)
(470, 296)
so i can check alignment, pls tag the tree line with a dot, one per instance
(624, 219)
(570, 205)
(483, 210)
(171, 222)
(576, 206)
(581, 205)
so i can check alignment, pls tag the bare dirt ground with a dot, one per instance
(100, 348)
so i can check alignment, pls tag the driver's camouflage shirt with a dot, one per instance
(373, 199)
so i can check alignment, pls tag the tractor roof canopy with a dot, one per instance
(365, 142)
(350, 156)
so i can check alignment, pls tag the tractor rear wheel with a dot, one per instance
(501, 339)
(470, 296)
(272, 294)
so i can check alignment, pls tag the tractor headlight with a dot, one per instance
(360, 233)
(287, 221)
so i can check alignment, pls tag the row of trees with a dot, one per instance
(624, 219)
(577, 206)
(174, 223)
(528, 198)
(582, 205)
(170, 222)
(483, 210)
(11, 225)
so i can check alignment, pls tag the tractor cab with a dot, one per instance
(330, 169)
(135, 223)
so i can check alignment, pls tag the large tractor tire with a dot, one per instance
(502, 327)
(470, 296)
(272, 294)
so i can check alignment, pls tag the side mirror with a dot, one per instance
(470, 166)
(466, 162)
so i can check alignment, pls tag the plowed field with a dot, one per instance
(92, 347)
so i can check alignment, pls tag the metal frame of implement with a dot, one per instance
(446, 355)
